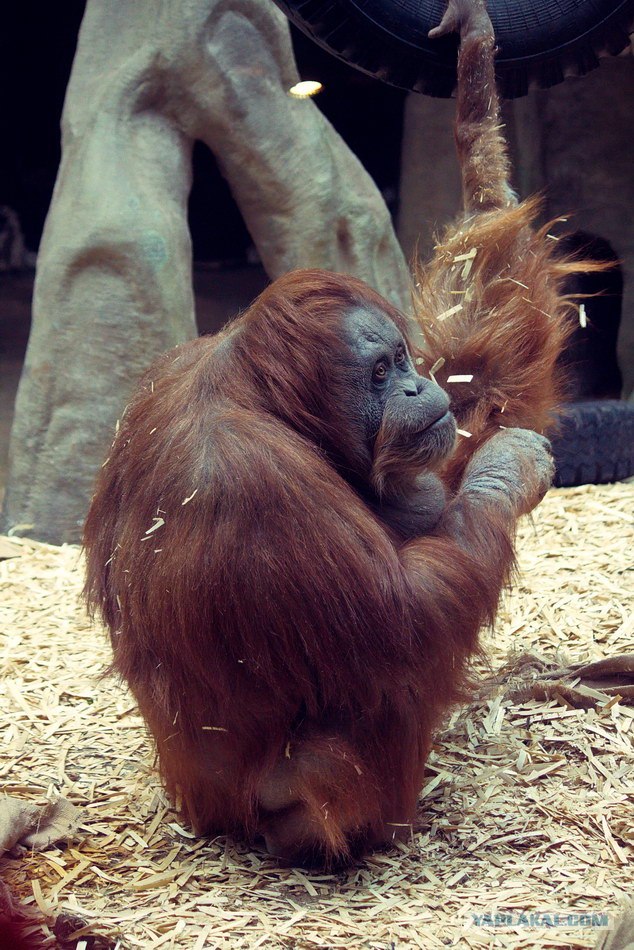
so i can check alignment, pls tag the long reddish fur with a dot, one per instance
(290, 655)
(515, 317)
(271, 626)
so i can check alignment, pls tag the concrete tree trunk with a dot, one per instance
(113, 286)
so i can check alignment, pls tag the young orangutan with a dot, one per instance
(490, 302)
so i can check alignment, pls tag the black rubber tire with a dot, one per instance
(540, 41)
(595, 443)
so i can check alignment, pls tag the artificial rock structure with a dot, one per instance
(113, 286)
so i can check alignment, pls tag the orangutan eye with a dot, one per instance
(399, 357)
(379, 373)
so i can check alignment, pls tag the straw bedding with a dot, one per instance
(527, 805)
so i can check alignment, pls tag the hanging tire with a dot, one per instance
(595, 443)
(540, 41)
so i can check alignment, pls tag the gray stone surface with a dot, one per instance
(113, 286)
(431, 190)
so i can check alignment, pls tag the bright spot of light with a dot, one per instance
(305, 89)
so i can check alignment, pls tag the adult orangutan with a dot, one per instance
(293, 557)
